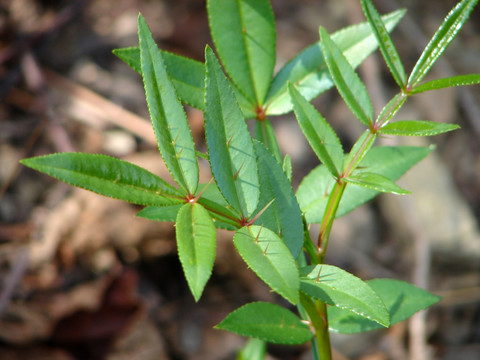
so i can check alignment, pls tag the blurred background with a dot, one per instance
(82, 278)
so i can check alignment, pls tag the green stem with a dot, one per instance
(317, 312)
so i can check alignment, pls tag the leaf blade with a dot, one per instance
(375, 182)
(308, 71)
(283, 216)
(195, 233)
(387, 48)
(170, 123)
(313, 192)
(442, 38)
(346, 80)
(267, 255)
(243, 32)
(230, 146)
(339, 288)
(268, 322)
(416, 128)
(401, 299)
(187, 75)
(320, 135)
(107, 176)
(460, 80)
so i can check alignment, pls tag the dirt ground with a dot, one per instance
(83, 278)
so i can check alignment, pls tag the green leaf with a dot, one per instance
(391, 162)
(130, 56)
(195, 235)
(255, 349)
(375, 182)
(339, 288)
(401, 299)
(187, 75)
(308, 71)
(283, 215)
(224, 217)
(244, 35)
(265, 134)
(169, 121)
(160, 213)
(230, 146)
(441, 40)
(267, 255)
(287, 167)
(346, 80)
(416, 128)
(460, 80)
(320, 135)
(107, 176)
(387, 48)
(268, 322)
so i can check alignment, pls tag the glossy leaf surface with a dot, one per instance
(169, 120)
(187, 75)
(196, 236)
(283, 215)
(269, 322)
(375, 182)
(387, 48)
(265, 134)
(392, 162)
(320, 135)
(230, 146)
(401, 299)
(460, 80)
(346, 80)
(267, 255)
(107, 176)
(244, 35)
(341, 289)
(160, 213)
(441, 40)
(416, 128)
(308, 71)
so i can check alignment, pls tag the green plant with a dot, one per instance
(250, 192)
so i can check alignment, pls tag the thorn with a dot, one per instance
(235, 176)
(255, 218)
(318, 275)
(258, 235)
(266, 248)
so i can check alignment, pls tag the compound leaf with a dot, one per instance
(107, 176)
(230, 146)
(308, 71)
(169, 121)
(401, 299)
(244, 35)
(441, 40)
(268, 322)
(195, 233)
(346, 80)
(267, 255)
(341, 289)
(391, 162)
